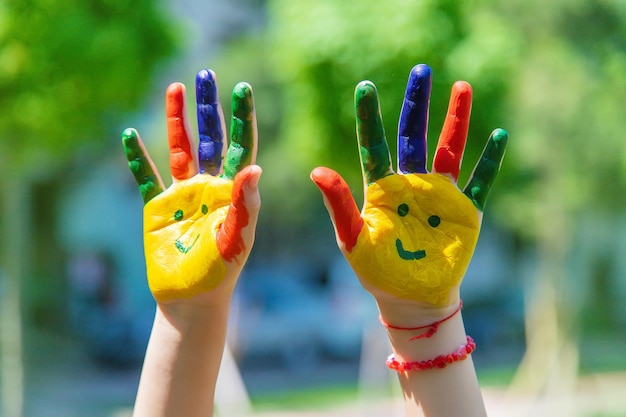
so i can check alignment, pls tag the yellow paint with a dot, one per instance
(449, 246)
(173, 274)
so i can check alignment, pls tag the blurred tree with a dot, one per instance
(551, 73)
(69, 70)
(322, 49)
(567, 112)
(313, 54)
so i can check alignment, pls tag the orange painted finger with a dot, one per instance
(340, 204)
(243, 211)
(182, 163)
(453, 136)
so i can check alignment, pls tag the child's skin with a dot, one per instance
(409, 246)
(411, 243)
(198, 234)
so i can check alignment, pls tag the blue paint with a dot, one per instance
(409, 255)
(209, 123)
(413, 125)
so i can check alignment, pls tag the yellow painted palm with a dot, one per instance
(200, 227)
(417, 231)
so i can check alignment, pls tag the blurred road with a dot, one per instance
(63, 382)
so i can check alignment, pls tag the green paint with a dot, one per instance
(236, 158)
(147, 180)
(242, 131)
(487, 168)
(403, 209)
(434, 220)
(184, 249)
(370, 159)
(374, 151)
(204, 209)
(178, 215)
(408, 255)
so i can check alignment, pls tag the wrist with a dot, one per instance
(192, 315)
(204, 304)
(441, 337)
(411, 313)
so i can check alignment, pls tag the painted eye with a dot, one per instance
(434, 220)
(205, 209)
(178, 215)
(403, 209)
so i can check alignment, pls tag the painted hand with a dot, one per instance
(417, 231)
(199, 231)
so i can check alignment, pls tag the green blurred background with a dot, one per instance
(545, 290)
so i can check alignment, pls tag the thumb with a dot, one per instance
(340, 204)
(236, 234)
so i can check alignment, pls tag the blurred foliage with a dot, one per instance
(313, 54)
(551, 74)
(567, 109)
(71, 69)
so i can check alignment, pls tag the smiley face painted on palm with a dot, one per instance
(180, 226)
(411, 245)
(417, 231)
(193, 229)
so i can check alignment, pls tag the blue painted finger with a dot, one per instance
(210, 123)
(413, 124)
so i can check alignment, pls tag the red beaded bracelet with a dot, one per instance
(440, 361)
(432, 327)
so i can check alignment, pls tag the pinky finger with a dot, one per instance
(487, 168)
(142, 167)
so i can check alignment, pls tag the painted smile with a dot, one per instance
(408, 255)
(183, 248)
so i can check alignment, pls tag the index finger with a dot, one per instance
(370, 132)
(413, 124)
(243, 131)
(210, 123)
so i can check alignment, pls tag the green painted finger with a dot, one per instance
(373, 148)
(243, 131)
(487, 168)
(140, 164)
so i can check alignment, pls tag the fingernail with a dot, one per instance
(255, 176)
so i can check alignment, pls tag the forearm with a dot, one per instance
(182, 361)
(440, 392)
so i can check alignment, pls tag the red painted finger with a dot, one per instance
(243, 211)
(453, 136)
(341, 206)
(181, 157)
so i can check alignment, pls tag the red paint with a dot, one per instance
(431, 328)
(454, 133)
(229, 240)
(345, 214)
(178, 138)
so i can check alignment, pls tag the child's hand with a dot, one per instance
(415, 236)
(198, 232)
